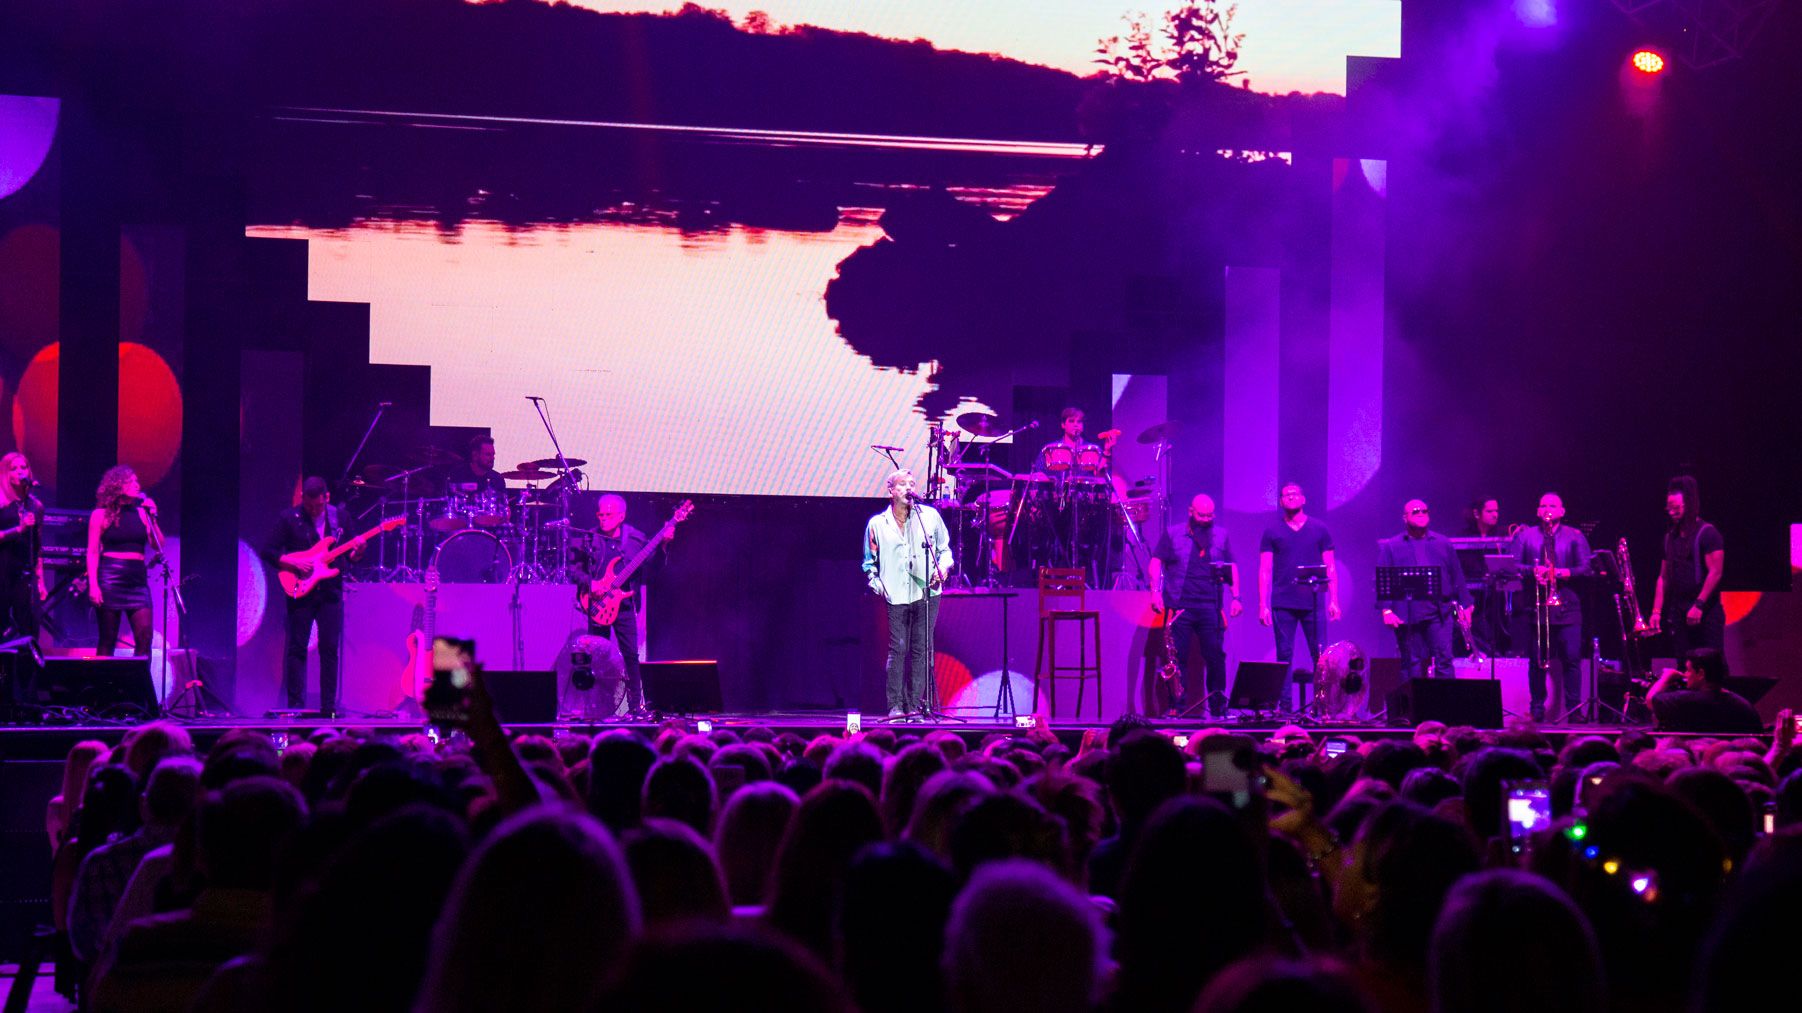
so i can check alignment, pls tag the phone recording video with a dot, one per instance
(447, 696)
(1233, 776)
(1527, 806)
(1334, 748)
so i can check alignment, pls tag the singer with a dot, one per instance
(21, 564)
(906, 555)
(118, 577)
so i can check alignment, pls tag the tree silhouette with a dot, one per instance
(1197, 45)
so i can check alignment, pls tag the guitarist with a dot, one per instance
(615, 539)
(298, 529)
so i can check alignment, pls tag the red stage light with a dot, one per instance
(1648, 61)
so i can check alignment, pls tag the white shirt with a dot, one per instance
(897, 561)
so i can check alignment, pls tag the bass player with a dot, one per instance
(615, 539)
(297, 531)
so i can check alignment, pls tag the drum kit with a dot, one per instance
(1070, 510)
(469, 531)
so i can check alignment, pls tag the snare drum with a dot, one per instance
(472, 557)
(1057, 456)
(1089, 459)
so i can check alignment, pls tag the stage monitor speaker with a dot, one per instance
(95, 684)
(523, 698)
(1473, 702)
(1258, 685)
(682, 687)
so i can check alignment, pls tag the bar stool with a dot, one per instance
(1063, 585)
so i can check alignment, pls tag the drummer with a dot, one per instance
(476, 474)
(1059, 455)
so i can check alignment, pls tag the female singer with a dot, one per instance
(21, 565)
(119, 531)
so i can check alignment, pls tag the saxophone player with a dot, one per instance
(1554, 553)
(1183, 576)
(1686, 601)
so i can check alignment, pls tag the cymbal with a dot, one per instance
(1160, 433)
(527, 475)
(978, 424)
(552, 464)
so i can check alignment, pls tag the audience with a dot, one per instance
(753, 870)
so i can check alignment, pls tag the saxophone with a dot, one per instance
(1625, 563)
(1171, 673)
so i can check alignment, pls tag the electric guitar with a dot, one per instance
(418, 669)
(317, 560)
(601, 600)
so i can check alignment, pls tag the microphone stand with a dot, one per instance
(566, 478)
(351, 464)
(193, 694)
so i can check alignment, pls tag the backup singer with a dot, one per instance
(119, 533)
(1555, 553)
(1686, 600)
(615, 539)
(21, 564)
(298, 529)
(1183, 576)
(1422, 628)
(1284, 599)
(906, 555)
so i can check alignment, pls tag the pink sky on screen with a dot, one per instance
(701, 363)
(1290, 45)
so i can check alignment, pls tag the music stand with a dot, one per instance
(1221, 574)
(1408, 583)
(1317, 580)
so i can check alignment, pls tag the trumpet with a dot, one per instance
(1477, 657)
(1625, 563)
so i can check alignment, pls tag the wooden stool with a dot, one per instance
(1063, 585)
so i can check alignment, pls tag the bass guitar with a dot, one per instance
(315, 564)
(418, 670)
(601, 599)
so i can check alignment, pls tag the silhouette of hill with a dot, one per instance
(695, 67)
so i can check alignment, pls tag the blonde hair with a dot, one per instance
(7, 460)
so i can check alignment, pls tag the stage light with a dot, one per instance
(1648, 61)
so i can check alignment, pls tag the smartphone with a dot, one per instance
(704, 726)
(1527, 806)
(853, 723)
(1334, 748)
(1182, 741)
(1026, 720)
(1770, 818)
(281, 741)
(1231, 775)
(1797, 719)
(447, 696)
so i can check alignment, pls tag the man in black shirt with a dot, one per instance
(1284, 599)
(1423, 626)
(1553, 552)
(1702, 703)
(1184, 577)
(1686, 600)
(297, 529)
(476, 473)
(616, 540)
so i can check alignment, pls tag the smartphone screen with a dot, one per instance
(447, 697)
(1333, 748)
(1182, 741)
(1528, 807)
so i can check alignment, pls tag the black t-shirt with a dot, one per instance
(1685, 568)
(465, 474)
(1289, 549)
(1705, 710)
(18, 553)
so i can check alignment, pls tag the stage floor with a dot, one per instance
(52, 742)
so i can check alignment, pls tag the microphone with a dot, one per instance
(880, 447)
(533, 397)
(384, 404)
(27, 482)
(916, 497)
(1034, 424)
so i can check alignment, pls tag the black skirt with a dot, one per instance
(124, 584)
